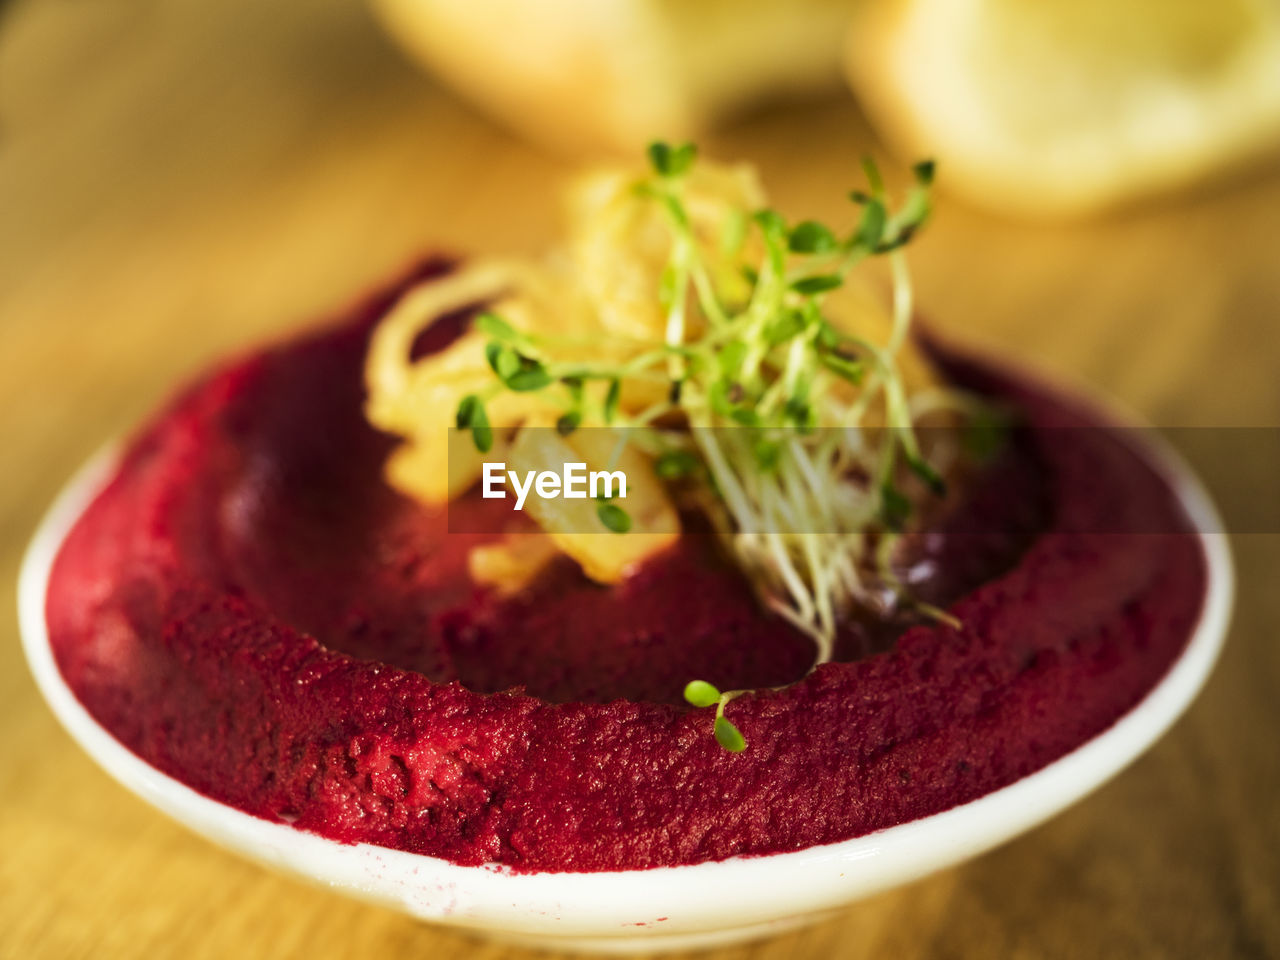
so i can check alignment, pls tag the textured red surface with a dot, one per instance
(248, 608)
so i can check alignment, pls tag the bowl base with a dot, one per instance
(649, 938)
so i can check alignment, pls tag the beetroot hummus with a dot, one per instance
(249, 608)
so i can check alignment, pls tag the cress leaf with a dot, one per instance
(895, 508)
(819, 283)
(784, 327)
(613, 517)
(530, 375)
(767, 454)
(471, 415)
(568, 423)
(699, 693)
(674, 464)
(771, 223)
(829, 337)
(932, 479)
(611, 400)
(811, 237)
(493, 326)
(847, 368)
(466, 411)
(873, 175)
(671, 161)
(800, 413)
(871, 226)
(504, 361)
(729, 736)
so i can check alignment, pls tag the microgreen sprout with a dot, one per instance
(669, 161)
(613, 517)
(471, 416)
(799, 493)
(699, 693)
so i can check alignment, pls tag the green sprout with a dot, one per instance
(671, 161)
(613, 517)
(699, 693)
(772, 363)
(471, 416)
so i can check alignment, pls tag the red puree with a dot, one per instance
(249, 608)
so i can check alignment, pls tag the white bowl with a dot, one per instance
(642, 910)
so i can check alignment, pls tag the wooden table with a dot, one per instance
(179, 180)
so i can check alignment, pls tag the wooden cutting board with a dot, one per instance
(181, 180)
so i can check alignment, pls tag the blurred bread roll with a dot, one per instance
(1046, 108)
(587, 75)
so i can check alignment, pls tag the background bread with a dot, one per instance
(593, 75)
(1052, 108)
(1063, 107)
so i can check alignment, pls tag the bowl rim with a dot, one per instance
(755, 889)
